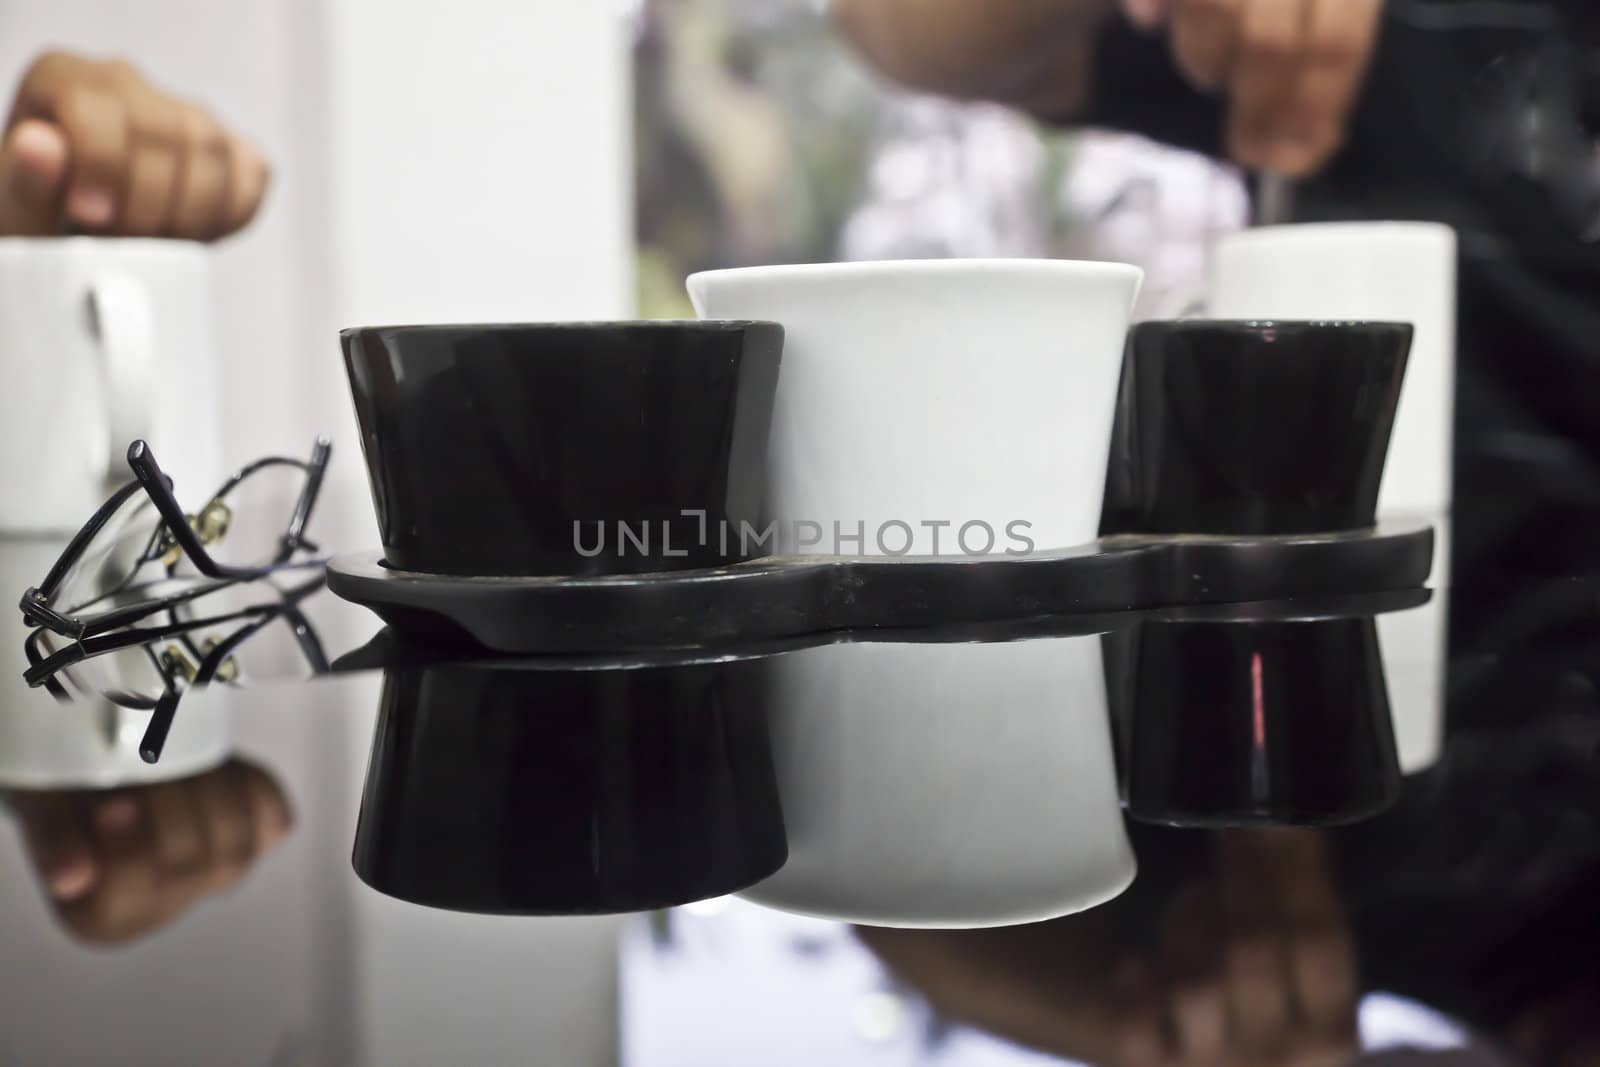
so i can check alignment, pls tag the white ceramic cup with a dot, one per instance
(1381, 272)
(102, 340)
(924, 406)
(946, 785)
(1415, 646)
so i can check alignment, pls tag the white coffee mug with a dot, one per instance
(1385, 272)
(946, 785)
(937, 407)
(102, 340)
(1415, 646)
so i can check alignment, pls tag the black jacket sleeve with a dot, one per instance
(1137, 88)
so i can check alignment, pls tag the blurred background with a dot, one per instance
(761, 139)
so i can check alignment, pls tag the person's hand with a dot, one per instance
(93, 147)
(120, 863)
(1256, 965)
(1292, 69)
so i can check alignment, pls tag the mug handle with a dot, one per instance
(123, 324)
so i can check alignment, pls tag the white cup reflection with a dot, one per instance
(946, 785)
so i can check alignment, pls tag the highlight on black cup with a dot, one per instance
(1253, 428)
(1247, 723)
(517, 790)
(566, 449)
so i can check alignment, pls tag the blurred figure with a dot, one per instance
(1250, 961)
(121, 863)
(1290, 69)
(1253, 964)
(733, 128)
(1481, 116)
(91, 146)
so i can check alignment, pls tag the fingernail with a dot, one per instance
(71, 876)
(274, 827)
(90, 206)
(40, 145)
(117, 815)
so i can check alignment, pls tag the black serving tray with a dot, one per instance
(785, 597)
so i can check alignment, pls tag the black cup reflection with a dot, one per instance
(508, 790)
(1253, 722)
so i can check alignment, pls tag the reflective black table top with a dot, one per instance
(1269, 833)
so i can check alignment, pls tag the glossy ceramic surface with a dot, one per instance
(566, 792)
(104, 340)
(959, 782)
(1366, 272)
(798, 596)
(1253, 428)
(923, 401)
(564, 449)
(1293, 719)
(1009, 741)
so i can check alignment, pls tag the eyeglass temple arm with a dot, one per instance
(160, 725)
(35, 657)
(294, 536)
(37, 612)
(155, 735)
(158, 485)
(304, 634)
(91, 646)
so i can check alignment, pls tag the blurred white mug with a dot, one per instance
(937, 407)
(102, 340)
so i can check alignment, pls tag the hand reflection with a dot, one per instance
(1564, 1032)
(124, 862)
(1255, 963)
(1252, 964)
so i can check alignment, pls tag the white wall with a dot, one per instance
(433, 162)
(477, 174)
(475, 162)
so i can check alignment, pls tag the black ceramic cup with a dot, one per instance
(503, 790)
(1253, 428)
(563, 449)
(1253, 723)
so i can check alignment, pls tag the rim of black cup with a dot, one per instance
(1301, 325)
(661, 325)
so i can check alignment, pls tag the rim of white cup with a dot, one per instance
(1082, 268)
(174, 247)
(1361, 231)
